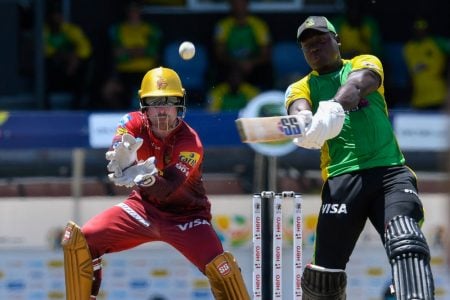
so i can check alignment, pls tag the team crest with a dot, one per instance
(309, 22)
(161, 83)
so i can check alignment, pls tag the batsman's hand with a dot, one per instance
(326, 124)
(129, 175)
(124, 154)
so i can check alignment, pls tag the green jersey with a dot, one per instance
(367, 139)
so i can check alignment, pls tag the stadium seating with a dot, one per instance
(396, 75)
(192, 72)
(288, 63)
(395, 64)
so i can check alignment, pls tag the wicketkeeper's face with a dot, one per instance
(162, 117)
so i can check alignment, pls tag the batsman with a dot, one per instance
(364, 171)
(157, 154)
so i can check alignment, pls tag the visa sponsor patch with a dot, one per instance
(190, 158)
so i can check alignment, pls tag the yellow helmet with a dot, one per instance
(161, 82)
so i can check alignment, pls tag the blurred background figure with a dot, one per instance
(244, 39)
(67, 55)
(167, 3)
(232, 94)
(137, 46)
(358, 32)
(112, 94)
(426, 57)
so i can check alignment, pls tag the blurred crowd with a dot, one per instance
(243, 61)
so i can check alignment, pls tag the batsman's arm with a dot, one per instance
(359, 84)
(298, 105)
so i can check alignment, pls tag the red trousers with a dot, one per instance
(134, 222)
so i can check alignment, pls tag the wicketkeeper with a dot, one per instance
(342, 100)
(155, 152)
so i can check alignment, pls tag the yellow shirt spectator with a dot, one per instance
(426, 59)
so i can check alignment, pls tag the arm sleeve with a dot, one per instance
(370, 62)
(185, 162)
(297, 90)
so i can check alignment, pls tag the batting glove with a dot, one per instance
(326, 124)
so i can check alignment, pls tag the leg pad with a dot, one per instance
(409, 256)
(319, 283)
(78, 268)
(226, 279)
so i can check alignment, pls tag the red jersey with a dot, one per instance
(179, 187)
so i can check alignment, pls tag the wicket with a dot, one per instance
(277, 243)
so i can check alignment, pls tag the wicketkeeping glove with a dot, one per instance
(326, 124)
(128, 176)
(124, 154)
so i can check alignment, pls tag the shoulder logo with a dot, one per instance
(370, 65)
(121, 130)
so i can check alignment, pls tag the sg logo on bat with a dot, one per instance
(289, 126)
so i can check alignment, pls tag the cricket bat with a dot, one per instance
(269, 129)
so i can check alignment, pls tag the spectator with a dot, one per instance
(67, 54)
(426, 57)
(169, 3)
(243, 39)
(232, 94)
(358, 33)
(136, 45)
(111, 94)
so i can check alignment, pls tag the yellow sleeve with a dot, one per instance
(79, 39)
(298, 90)
(222, 29)
(261, 30)
(368, 62)
(216, 97)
